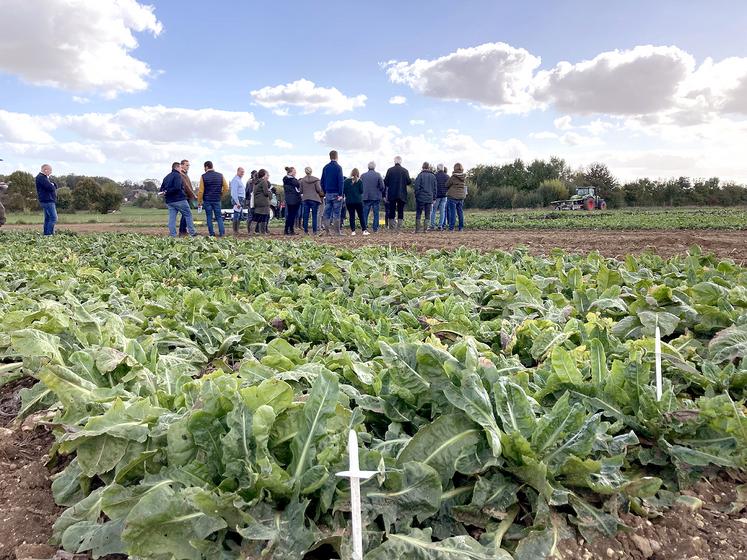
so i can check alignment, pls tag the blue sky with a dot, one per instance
(122, 88)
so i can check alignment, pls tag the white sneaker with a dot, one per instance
(366, 233)
(353, 233)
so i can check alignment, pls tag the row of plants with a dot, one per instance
(205, 392)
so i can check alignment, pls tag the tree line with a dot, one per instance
(74, 193)
(512, 185)
(536, 184)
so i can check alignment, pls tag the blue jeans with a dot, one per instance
(310, 207)
(439, 206)
(455, 208)
(239, 215)
(180, 207)
(369, 205)
(332, 207)
(213, 209)
(50, 216)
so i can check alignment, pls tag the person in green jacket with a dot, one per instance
(262, 196)
(353, 190)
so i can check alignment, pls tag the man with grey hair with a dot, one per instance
(373, 192)
(396, 180)
(439, 204)
(46, 190)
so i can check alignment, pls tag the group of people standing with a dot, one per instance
(439, 198)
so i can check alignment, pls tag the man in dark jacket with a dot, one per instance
(172, 188)
(213, 187)
(439, 205)
(46, 190)
(396, 180)
(425, 193)
(332, 184)
(373, 192)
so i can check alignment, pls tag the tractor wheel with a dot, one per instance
(602, 205)
(589, 204)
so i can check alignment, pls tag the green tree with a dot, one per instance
(64, 199)
(110, 199)
(21, 194)
(86, 194)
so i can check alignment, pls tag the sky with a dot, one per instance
(122, 88)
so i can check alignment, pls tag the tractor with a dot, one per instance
(584, 199)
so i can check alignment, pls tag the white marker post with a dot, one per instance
(657, 353)
(356, 475)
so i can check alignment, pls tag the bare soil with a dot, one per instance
(712, 532)
(722, 243)
(27, 509)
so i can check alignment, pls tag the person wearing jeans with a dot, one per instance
(180, 207)
(456, 193)
(311, 194)
(46, 190)
(373, 192)
(172, 188)
(213, 186)
(439, 204)
(332, 185)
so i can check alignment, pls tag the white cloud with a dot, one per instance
(645, 79)
(397, 100)
(417, 122)
(563, 123)
(282, 144)
(162, 124)
(76, 45)
(356, 135)
(21, 127)
(81, 100)
(307, 96)
(495, 75)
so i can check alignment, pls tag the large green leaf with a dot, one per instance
(442, 443)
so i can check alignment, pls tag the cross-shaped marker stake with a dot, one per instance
(657, 353)
(356, 475)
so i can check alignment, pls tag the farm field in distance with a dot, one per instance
(200, 405)
(687, 218)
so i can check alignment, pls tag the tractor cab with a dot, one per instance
(585, 191)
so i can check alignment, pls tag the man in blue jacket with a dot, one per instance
(332, 185)
(176, 199)
(213, 187)
(46, 190)
(439, 205)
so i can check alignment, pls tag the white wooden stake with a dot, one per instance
(356, 475)
(657, 352)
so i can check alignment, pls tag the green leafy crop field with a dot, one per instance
(623, 219)
(205, 391)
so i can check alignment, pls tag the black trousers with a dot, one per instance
(354, 209)
(291, 211)
(397, 206)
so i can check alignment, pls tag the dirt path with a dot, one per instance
(723, 243)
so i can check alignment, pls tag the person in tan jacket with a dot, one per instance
(311, 193)
(456, 192)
